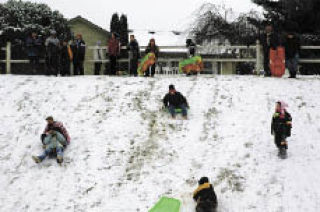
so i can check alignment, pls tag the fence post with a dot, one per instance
(8, 58)
(258, 57)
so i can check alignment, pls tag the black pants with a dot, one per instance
(278, 139)
(206, 206)
(113, 65)
(65, 68)
(78, 68)
(134, 67)
(153, 71)
(52, 63)
(34, 62)
(97, 68)
(266, 62)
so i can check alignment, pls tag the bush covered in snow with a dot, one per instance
(18, 19)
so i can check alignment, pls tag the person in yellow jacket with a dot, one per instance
(205, 196)
(66, 57)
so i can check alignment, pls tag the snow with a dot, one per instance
(125, 153)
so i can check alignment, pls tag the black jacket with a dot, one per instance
(292, 46)
(153, 49)
(64, 55)
(78, 50)
(134, 50)
(205, 193)
(281, 125)
(176, 100)
(269, 41)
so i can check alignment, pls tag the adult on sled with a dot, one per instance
(281, 127)
(152, 48)
(175, 100)
(54, 138)
(205, 196)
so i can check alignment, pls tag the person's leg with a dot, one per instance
(81, 68)
(290, 67)
(266, 64)
(62, 140)
(112, 65)
(135, 67)
(184, 110)
(277, 140)
(59, 151)
(75, 68)
(172, 110)
(153, 70)
(131, 67)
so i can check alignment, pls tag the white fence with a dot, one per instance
(169, 69)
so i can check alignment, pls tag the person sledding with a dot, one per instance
(55, 139)
(281, 127)
(174, 101)
(205, 196)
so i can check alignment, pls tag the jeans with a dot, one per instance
(54, 142)
(172, 110)
(292, 64)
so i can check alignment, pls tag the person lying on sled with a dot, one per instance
(175, 100)
(205, 196)
(54, 138)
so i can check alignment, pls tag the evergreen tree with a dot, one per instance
(124, 31)
(115, 24)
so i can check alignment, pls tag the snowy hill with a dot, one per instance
(125, 154)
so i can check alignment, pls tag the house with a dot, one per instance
(91, 33)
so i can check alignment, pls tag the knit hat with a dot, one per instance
(171, 87)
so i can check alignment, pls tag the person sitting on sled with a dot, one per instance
(54, 138)
(175, 100)
(205, 196)
(281, 126)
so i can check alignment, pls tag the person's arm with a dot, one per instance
(272, 126)
(166, 100)
(65, 132)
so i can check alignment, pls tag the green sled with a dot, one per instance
(178, 110)
(166, 204)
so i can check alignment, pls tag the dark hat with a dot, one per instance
(171, 87)
(49, 118)
(203, 180)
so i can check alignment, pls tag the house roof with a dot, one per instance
(86, 21)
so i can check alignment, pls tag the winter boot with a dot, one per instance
(59, 159)
(36, 159)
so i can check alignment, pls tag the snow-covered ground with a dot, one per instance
(125, 153)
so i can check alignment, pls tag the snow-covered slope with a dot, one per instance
(125, 153)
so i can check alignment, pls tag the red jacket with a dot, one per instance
(113, 47)
(58, 126)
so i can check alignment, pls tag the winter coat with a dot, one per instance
(52, 46)
(78, 48)
(58, 126)
(292, 46)
(134, 50)
(66, 55)
(269, 41)
(191, 49)
(98, 54)
(281, 124)
(113, 47)
(205, 193)
(175, 100)
(33, 46)
(153, 49)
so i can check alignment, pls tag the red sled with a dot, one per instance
(277, 62)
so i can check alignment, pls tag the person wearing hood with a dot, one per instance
(281, 126)
(152, 48)
(134, 55)
(205, 196)
(54, 138)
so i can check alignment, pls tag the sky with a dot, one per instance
(160, 15)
